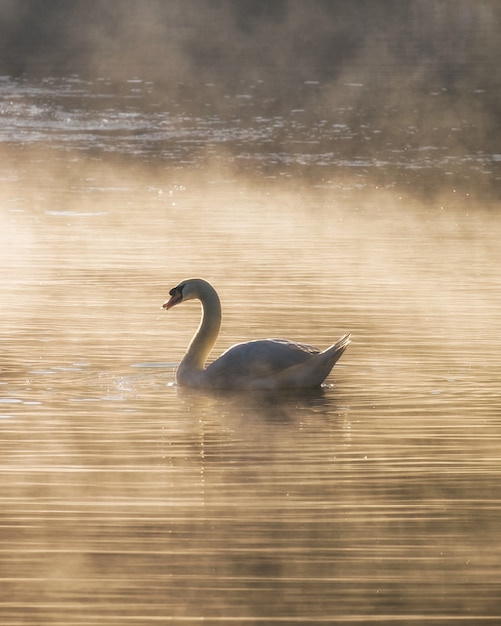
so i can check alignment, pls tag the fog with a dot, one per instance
(330, 166)
(404, 76)
(252, 39)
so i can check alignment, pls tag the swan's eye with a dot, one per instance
(177, 290)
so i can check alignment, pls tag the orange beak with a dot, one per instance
(175, 298)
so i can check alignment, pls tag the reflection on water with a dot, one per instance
(125, 499)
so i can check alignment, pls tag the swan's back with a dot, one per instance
(244, 363)
(273, 364)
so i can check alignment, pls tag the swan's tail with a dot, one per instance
(314, 371)
(336, 350)
(328, 358)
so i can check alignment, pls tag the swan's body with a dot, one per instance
(261, 364)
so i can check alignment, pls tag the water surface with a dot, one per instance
(125, 499)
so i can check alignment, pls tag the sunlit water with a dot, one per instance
(127, 500)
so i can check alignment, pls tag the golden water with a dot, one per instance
(127, 500)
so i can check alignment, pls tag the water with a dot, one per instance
(127, 500)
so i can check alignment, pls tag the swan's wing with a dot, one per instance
(313, 372)
(245, 362)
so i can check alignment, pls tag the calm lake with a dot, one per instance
(127, 500)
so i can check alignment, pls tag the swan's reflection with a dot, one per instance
(269, 406)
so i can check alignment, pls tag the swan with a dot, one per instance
(259, 364)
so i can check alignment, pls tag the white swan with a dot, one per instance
(262, 364)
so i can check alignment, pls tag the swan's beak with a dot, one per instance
(176, 298)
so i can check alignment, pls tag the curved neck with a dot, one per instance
(207, 332)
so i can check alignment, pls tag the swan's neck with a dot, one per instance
(205, 336)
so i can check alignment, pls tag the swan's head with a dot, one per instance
(187, 290)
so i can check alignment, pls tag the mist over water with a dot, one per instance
(383, 86)
(329, 167)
